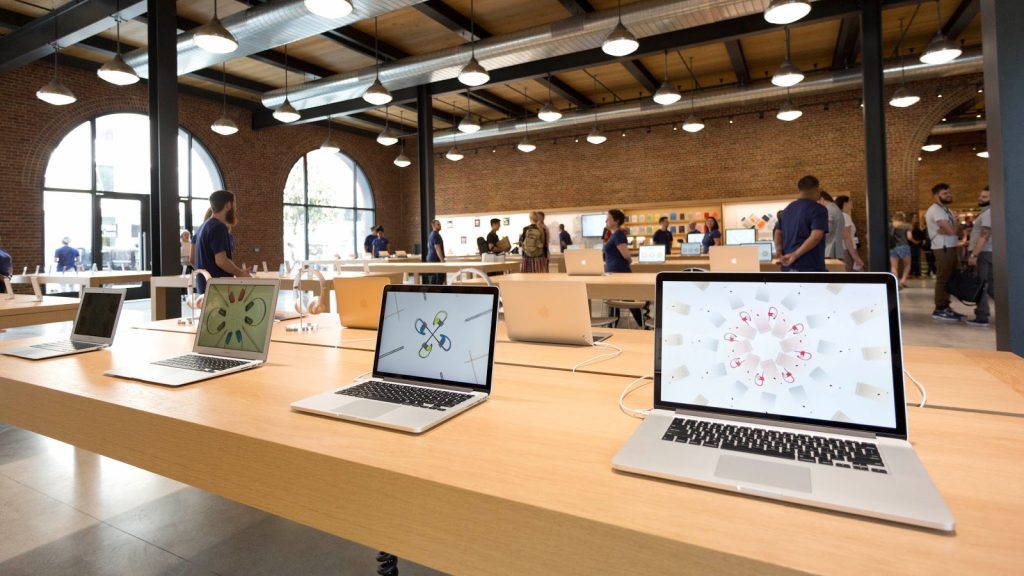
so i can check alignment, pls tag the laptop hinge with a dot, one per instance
(779, 424)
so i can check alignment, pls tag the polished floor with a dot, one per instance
(66, 511)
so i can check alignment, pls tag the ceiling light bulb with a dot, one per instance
(468, 124)
(453, 154)
(693, 124)
(286, 112)
(903, 98)
(787, 75)
(620, 42)
(402, 160)
(596, 137)
(983, 154)
(473, 74)
(786, 11)
(788, 112)
(549, 113)
(214, 37)
(931, 147)
(387, 137)
(940, 50)
(224, 126)
(329, 8)
(377, 94)
(55, 93)
(666, 94)
(525, 145)
(330, 146)
(117, 72)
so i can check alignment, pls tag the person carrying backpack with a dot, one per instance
(532, 244)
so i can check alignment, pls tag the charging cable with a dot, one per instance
(630, 388)
(920, 388)
(615, 352)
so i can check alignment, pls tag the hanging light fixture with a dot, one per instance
(983, 154)
(788, 74)
(54, 92)
(329, 8)
(786, 11)
(788, 112)
(117, 71)
(214, 37)
(526, 145)
(329, 145)
(666, 93)
(453, 153)
(286, 112)
(387, 136)
(402, 161)
(620, 42)
(693, 124)
(596, 136)
(932, 147)
(473, 74)
(941, 49)
(377, 94)
(468, 125)
(903, 97)
(548, 112)
(224, 126)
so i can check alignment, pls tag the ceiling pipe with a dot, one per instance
(969, 63)
(961, 127)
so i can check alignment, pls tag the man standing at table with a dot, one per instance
(368, 241)
(945, 235)
(66, 257)
(214, 244)
(435, 252)
(492, 236)
(803, 227)
(564, 239)
(662, 237)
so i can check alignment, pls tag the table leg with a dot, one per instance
(157, 299)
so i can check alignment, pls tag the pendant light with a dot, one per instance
(473, 74)
(329, 145)
(329, 8)
(214, 37)
(666, 93)
(903, 97)
(468, 125)
(596, 136)
(286, 112)
(453, 153)
(377, 94)
(932, 147)
(224, 125)
(548, 112)
(788, 74)
(620, 42)
(941, 49)
(402, 161)
(693, 124)
(788, 112)
(786, 11)
(387, 136)
(526, 145)
(54, 92)
(117, 71)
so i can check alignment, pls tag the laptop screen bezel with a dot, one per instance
(241, 354)
(439, 289)
(78, 316)
(895, 340)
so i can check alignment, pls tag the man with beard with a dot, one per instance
(981, 257)
(214, 243)
(942, 228)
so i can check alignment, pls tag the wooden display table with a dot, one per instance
(24, 310)
(677, 264)
(631, 286)
(415, 267)
(90, 279)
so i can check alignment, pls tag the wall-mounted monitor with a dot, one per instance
(737, 236)
(593, 225)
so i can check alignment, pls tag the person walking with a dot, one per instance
(564, 239)
(899, 247)
(981, 257)
(803, 227)
(835, 245)
(435, 252)
(66, 257)
(851, 254)
(214, 243)
(662, 237)
(917, 238)
(942, 228)
(531, 244)
(185, 252)
(712, 235)
(617, 258)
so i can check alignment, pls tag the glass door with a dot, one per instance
(123, 225)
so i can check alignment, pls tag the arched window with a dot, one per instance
(328, 208)
(97, 190)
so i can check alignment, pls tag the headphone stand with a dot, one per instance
(302, 326)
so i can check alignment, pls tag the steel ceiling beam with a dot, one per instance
(965, 12)
(844, 55)
(738, 61)
(641, 74)
(362, 43)
(566, 91)
(576, 7)
(452, 19)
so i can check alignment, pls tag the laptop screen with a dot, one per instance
(794, 347)
(737, 236)
(690, 249)
(237, 317)
(655, 253)
(437, 334)
(97, 315)
(764, 250)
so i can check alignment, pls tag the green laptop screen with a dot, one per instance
(237, 317)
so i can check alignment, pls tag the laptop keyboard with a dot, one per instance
(777, 444)
(406, 395)
(201, 363)
(65, 346)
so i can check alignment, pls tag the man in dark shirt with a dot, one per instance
(368, 241)
(492, 236)
(803, 227)
(662, 236)
(66, 257)
(6, 268)
(435, 253)
(214, 244)
(380, 243)
(564, 239)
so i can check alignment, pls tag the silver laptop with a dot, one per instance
(690, 249)
(765, 250)
(435, 355)
(359, 300)
(233, 335)
(549, 312)
(584, 262)
(654, 254)
(786, 386)
(95, 325)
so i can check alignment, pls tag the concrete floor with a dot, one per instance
(66, 511)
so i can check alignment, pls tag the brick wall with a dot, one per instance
(961, 168)
(254, 164)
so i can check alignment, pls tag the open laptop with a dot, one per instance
(233, 335)
(584, 262)
(690, 249)
(434, 358)
(735, 258)
(695, 237)
(652, 254)
(549, 312)
(766, 250)
(359, 300)
(95, 325)
(786, 386)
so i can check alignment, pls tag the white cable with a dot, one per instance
(920, 388)
(616, 351)
(635, 413)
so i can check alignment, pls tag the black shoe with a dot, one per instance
(946, 315)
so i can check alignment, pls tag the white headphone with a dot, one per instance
(318, 304)
(193, 300)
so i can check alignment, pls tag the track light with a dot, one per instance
(377, 94)
(620, 42)
(329, 8)
(786, 11)
(941, 49)
(214, 37)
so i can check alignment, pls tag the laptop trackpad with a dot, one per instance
(767, 473)
(366, 408)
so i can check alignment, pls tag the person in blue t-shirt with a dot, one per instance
(712, 235)
(435, 252)
(214, 244)
(66, 257)
(380, 243)
(802, 227)
(368, 241)
(6, 268)
(617, 258)
(662, 236)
